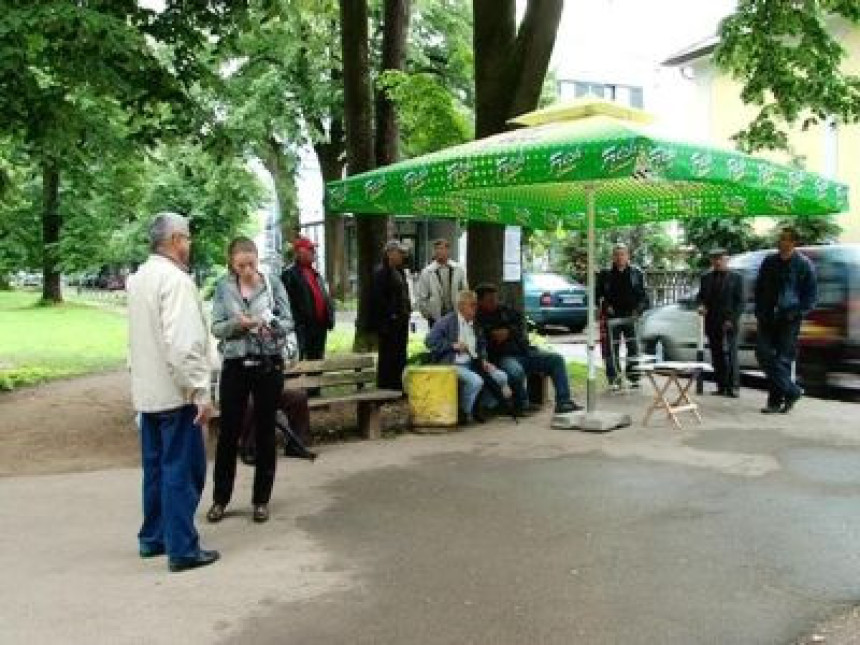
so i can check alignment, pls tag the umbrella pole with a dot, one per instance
(591, 383)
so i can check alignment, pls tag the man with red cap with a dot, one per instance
(312, 307)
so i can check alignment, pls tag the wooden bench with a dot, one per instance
(354, 373)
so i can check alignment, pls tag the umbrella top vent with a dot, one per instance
(572, 110)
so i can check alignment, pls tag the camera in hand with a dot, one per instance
(270, 319)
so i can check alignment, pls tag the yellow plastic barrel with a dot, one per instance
(432, 391)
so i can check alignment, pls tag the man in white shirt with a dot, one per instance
(170, 380)
(439, 284)
(454, 340)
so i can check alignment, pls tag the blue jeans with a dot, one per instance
(776, 350)
(470, 385)
(536, 362)
(174, 472)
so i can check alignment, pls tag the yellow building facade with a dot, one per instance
(716, 109)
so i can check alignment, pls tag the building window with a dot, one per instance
(625, 94)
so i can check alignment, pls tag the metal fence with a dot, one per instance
(667, 287)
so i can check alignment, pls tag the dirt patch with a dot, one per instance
(87, 423)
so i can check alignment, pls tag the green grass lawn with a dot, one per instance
(41, 343)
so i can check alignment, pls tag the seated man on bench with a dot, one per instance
(508, 347)
(456, 340)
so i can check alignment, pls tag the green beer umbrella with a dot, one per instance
(586, 165)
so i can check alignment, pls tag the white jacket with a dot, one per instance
(430, 289)
(168, 338)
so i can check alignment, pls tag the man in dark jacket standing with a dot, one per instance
(621, 294)
(721, 301)
(312, 307)
(392, 307)
(785, 291)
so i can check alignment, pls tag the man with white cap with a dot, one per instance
(170, 381)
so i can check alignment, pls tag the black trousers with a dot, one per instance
(392, 355)
(312, 340)
(264, 384)
(612, 349)
(724, 354)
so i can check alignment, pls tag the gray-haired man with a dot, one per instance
(170, 379)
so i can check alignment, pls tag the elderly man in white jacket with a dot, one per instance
(170, 379)
(439, 284)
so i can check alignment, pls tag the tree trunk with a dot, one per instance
(330, 157)
(358, 119)
(51, 225)
(395, 30)
(282, 167)
(510, 68)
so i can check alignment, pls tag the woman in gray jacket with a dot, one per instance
(251, 319)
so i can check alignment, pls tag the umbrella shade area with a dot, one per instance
(538, 177)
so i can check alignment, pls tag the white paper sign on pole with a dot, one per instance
(512, 257)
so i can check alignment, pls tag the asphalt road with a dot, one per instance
(477, 548)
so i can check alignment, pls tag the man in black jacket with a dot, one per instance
(311, 305)
(392, 308)
(508, 347)
(785, 291)
(721, 301)
(621, 294)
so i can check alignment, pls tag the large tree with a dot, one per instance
(83, 80)
(510, 67)
(790, 62)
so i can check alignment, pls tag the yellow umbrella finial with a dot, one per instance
(570, 110)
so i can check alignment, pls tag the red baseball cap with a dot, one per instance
(303, 243)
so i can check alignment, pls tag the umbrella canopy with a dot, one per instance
(537, 177)
(586, 165)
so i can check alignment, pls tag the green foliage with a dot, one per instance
(429, 117)
(650, 246)
(811, 230)
(786, 55)
(735, 234)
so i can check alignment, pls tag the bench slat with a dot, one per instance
(329, 380)
(373, 396)
(337, 363)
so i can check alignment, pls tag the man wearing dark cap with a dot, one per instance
(391, 310)
(312, 307)
(721, 302)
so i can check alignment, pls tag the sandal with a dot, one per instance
(216, 513)
(261, 513)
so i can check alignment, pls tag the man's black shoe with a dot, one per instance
(478, 414)
(531, 408)
(732, 394)
(771, 409)
(200, 560)
(789, 402)
(567, 406)
(719, 392)
(151, 551)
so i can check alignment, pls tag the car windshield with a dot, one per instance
(550, 281)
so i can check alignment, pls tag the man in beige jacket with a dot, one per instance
(170, 380)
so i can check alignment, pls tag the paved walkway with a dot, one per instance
(743, 530)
